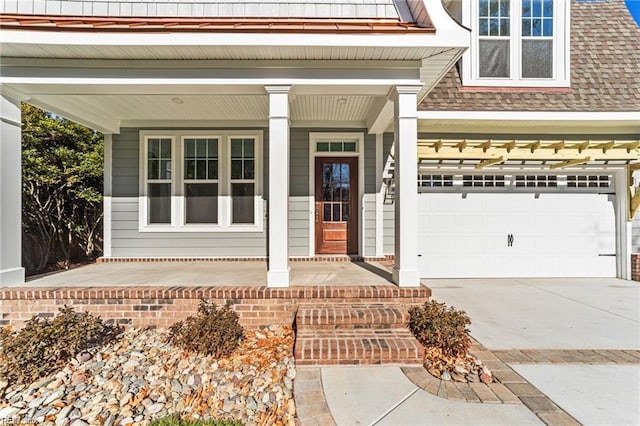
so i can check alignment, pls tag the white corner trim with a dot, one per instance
(313, 138)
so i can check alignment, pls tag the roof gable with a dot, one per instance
(605, 46)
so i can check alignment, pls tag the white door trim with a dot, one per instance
(336, 136)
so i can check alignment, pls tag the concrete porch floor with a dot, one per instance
(205, 273)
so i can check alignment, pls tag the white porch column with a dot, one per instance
(11, 270)
(278, 273)
(108, 189)
(405, 270)
(623, 225)
(379, 196)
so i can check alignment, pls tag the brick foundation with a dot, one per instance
(162, 306)
(635, 266)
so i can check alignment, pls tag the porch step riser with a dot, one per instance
(351, 316)
(358, 351)
(355, 334)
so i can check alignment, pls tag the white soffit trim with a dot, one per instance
(444, 38)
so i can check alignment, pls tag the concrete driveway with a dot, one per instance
(547, 313)
(569, 314)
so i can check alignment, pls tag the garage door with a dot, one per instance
(500, 232)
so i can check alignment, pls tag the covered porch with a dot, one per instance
(277, 93)
(215, 274)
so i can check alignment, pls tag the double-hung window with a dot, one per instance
(517, 43)
(201, 181)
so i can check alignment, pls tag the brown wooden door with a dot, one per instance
(336, 205)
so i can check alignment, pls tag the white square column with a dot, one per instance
(623, 225)
(405, 270)
(278, 235)
(11, 270)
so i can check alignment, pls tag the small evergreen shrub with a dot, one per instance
(213, 331)
(44, 345)
(435, 325)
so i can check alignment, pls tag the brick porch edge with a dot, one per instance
(162, 306)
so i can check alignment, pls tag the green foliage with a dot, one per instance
(45, 345)
(212, 331)
(62, 177)
(175, 420)
(435, 325)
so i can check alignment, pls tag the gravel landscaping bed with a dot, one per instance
(142, 377)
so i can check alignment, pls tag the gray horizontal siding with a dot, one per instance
(126, 239)
(298, 226)
(369, 224)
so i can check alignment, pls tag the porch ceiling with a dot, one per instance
(168, 109)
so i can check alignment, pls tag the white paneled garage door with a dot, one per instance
(506, 234)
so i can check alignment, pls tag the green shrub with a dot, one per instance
(212, 331)
(175, 420)
(45, 345)
(435, 325)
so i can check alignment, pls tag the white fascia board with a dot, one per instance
(446, 27)
(529, 115)
(78, 81)
(442, 38)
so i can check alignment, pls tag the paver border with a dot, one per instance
(311, 404)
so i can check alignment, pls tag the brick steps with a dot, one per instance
(355, 334)
(351, 316)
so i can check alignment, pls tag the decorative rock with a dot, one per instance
(155, 408)
(83, 356)
(142, 377)
(472, 378)
(486, 378)
(457, 377)
(445, 376)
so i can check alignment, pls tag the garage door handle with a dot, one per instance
(509, 240)
(607, 254)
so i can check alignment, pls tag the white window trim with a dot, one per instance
(314, 138)
(561, 57)
(178, 205)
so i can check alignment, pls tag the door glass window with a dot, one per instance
(335, 192)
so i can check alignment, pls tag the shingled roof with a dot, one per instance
(605, 70)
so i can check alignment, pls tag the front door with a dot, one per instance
(336, 202)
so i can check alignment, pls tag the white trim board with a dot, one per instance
(337, 136)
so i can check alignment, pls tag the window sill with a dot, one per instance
(200, 228)
(514, 89)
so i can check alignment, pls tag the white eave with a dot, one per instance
(597, 122)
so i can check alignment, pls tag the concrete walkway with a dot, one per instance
(385, 396)
(571, 346)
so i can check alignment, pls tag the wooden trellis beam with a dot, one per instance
(468, 149)
(569, 163)
(490, 162)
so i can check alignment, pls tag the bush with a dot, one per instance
(435, 325)
(212, 331)
(174, 420)
(45, 345)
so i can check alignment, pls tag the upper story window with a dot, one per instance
(517, 43)
(201, 181)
